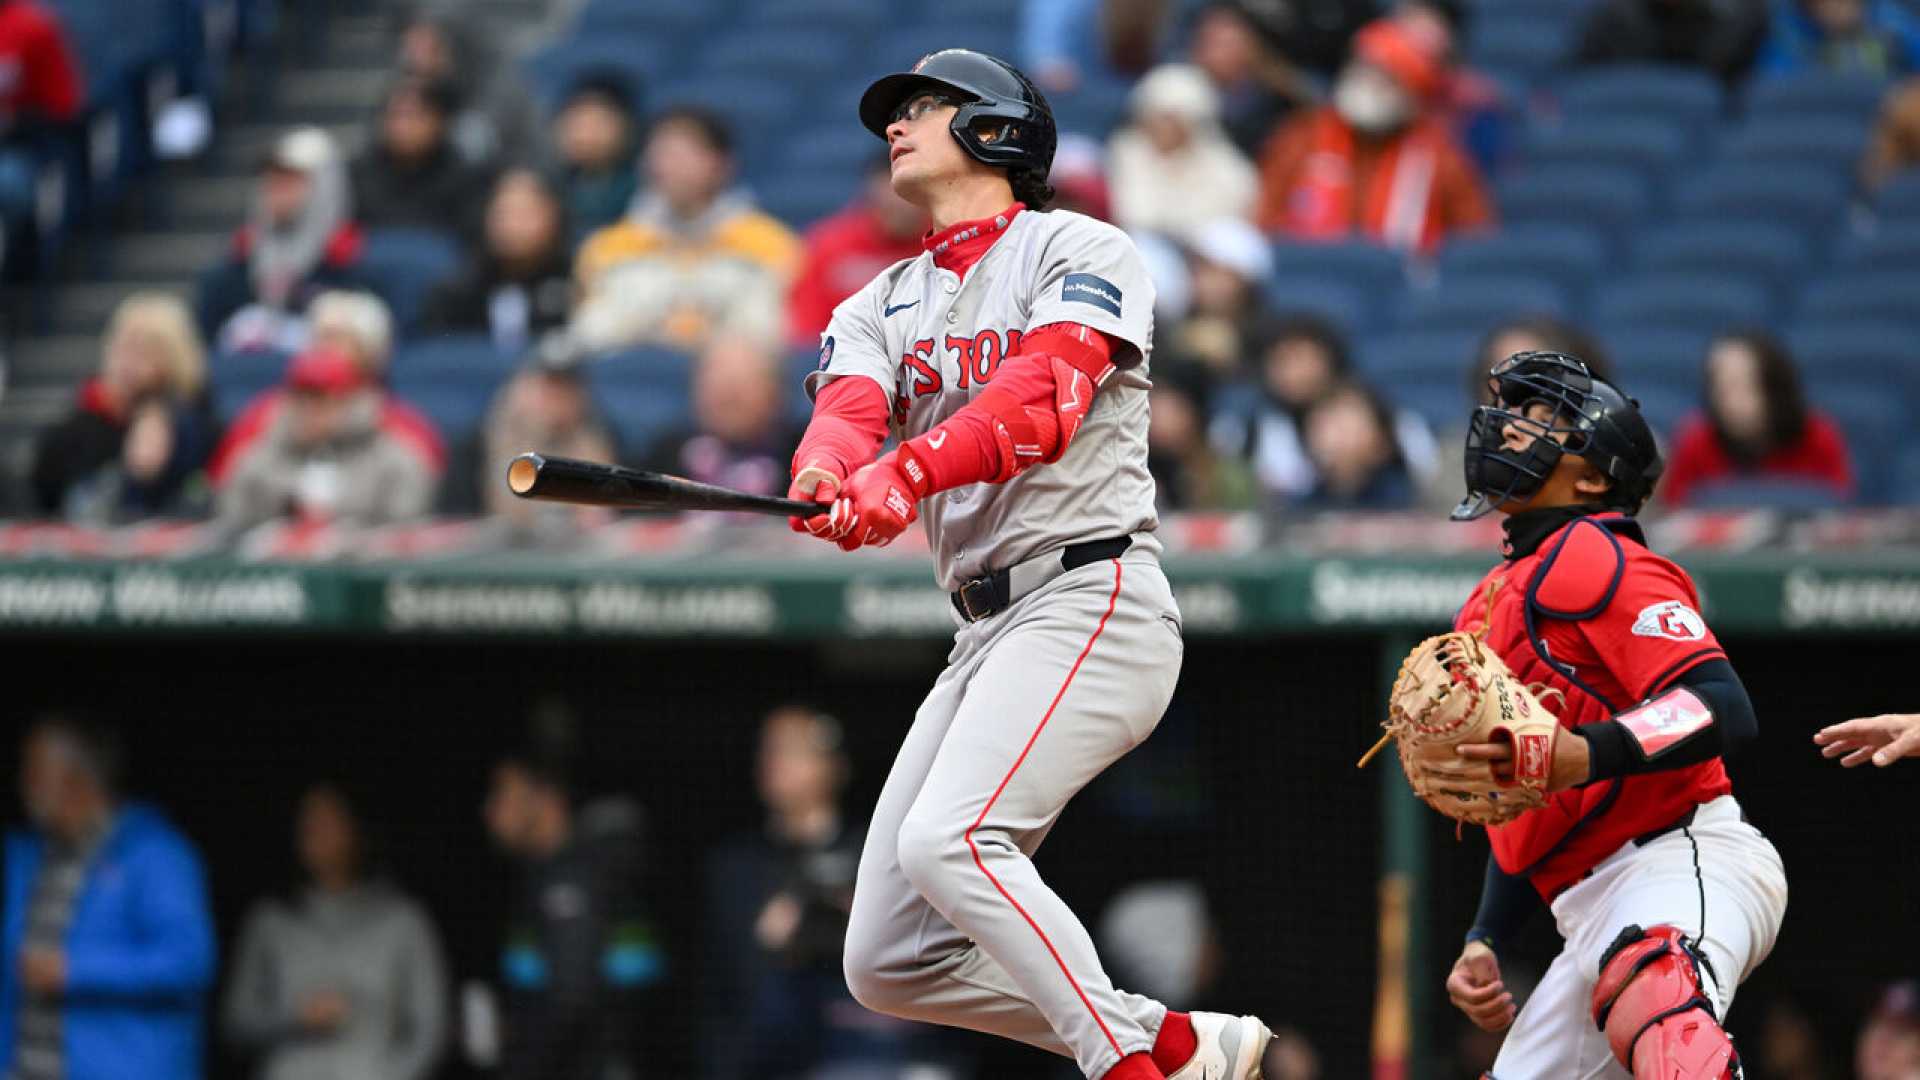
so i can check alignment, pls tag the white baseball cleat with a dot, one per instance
(1230, 1048)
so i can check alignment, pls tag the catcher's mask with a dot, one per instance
(1589, 417)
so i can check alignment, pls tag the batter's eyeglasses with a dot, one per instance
(918, 106)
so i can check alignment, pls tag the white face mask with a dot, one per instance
(1371, 101)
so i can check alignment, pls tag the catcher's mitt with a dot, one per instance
(1452, 689)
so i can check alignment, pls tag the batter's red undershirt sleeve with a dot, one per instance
(962, 449)
(849, 424)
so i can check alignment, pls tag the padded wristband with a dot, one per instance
(1665, 722)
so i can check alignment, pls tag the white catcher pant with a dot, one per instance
(1718, 880)
(951, 922)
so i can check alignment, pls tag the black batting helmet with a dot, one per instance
(1590, 417)
(986, 89)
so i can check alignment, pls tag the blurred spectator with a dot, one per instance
(411, 176)
(326, 456)
(1255, 85)
(1189, 473)
(1079, 177)
(779, 899)
(1789, 1047)
(1312, 34)
(521, 284)
(1474, 104)
(1889, 1047)
(358, 326)
(136, 442)
(740, 436)
(343, 976)
(1173, 156)
(1380, 161)
(1895, 145)
(1875, 38)
(693, 255)
(1721, 37)
(547, 407)
(493, 116)
(109, 947)
(300, 238)
(1227, 264)
(847, 250)
(1067, 44)
(1756, 423)
(594, 134)
(577, 947)
(41, 83)
(1299, 360)
(1357, 463)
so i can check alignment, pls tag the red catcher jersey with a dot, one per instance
(1595, 615)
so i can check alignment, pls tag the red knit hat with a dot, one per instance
(1404, 51)
(325, 371)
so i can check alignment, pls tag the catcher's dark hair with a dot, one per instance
(1031, 188)
(95, 745)
(1780, 388)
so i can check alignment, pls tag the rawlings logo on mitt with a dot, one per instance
(1453, 690)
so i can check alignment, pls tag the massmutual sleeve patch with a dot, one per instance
(1092, 289)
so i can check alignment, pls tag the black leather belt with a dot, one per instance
(992, 594)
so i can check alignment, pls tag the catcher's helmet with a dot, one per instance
(988, 89)
(1591, 418)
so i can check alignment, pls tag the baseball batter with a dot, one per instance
(1666, 897)
(1010, 357)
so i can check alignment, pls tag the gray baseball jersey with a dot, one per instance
(933, 340)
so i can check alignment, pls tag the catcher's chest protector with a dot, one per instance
(1525, 606)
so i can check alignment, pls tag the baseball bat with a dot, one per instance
(592, 483)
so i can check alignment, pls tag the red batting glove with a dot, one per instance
(820, 479)
(880, 501)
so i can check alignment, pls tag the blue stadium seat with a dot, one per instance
(1688, 95)
(838, 144)
(1861, 352)
(1900, 199)
(1475, 304)
(1701, 303)
(666, 19)
(1875, 424)
(1665, 405)
(802, 198)
(1893, 247)
(790, 54)
(641, 59)
(1649, 143)
(1903, 483)
(1519, 44)
(1774, 252)
(754, 106)
(1438, 396)
(1378, 271)
(836, 14)
(898, 49)
(1815, 92)
(456, 406)
(1096, 107)
(1416, 354)
(1863, 294)
(644, 393)
(1795, 496)
(1654, 358)
(404, 265)
(1831, 141)
(1611, 199)
(1569, 256)
(455, 357)
(1344, 303)
(236, 378)
(1804, 196)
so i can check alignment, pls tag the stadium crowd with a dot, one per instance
(483, 276)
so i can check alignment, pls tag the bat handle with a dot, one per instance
(523, 472)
